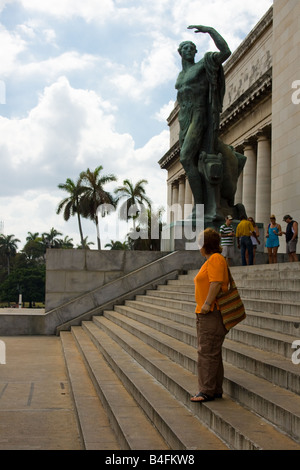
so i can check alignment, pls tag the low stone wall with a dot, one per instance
(71, 273)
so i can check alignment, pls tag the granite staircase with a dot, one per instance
(132, 370)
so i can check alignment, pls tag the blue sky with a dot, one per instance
(91, 83)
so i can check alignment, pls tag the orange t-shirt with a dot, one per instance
(213, 270)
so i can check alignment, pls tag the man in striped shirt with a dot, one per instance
(227, 239)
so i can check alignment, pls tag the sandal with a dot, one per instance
(218, 395)
(202, 397)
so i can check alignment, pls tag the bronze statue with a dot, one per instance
(211, 166)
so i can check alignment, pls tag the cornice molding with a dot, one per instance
(251, 38)
(171, 156)
(247, 101)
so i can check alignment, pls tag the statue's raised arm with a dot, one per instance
(218, 40)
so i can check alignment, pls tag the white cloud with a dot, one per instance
(52, 67)
(68, 131)
(14, 45)
(165, 111)
(89, 9)
(158, 67)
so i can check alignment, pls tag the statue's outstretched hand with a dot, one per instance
(200, 28)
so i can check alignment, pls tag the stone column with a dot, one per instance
(181, 197)
(188, 199)
(249, 179)
(174, 206)
(239, 190)
(263, 180)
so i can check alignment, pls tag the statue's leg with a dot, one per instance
(189, 159)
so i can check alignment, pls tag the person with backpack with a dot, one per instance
(291, 236)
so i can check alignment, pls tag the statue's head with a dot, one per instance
(187, 43)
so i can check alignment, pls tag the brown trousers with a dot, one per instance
(211, 334)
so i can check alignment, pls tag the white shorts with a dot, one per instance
(228, 251)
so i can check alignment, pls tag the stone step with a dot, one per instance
(178, 425)
(262, 293)
(272, 306)
(184, 305)
(125, 416)
(170, 321)
(148, 347)
(279, 270)
(186, 288)
(182, 332)
(175, 295)
(278, 369)
(241, 425)
(186, 283)
(278, 323)
(94, 425)
(266, 340)
(283, 285)
(186, 301)
(260, 289)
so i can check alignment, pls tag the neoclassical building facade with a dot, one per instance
(260, 119)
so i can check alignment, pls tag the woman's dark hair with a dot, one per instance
(212, 241)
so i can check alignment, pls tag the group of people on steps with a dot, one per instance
(247, 235)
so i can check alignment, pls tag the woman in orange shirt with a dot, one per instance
(211, 331)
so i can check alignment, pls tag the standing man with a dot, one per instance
(227, 239)
(291, 237)
(244, 232)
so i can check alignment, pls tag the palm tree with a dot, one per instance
(32, 236)
(71, 204)
(66, 243)
(34, 246)
(94, 196)
(117, 245)
(50, 239)
(85, 244)
(8, 245)
(135, 197)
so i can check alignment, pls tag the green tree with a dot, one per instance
(85, 244)
(32, 236)
(66, 243)
(71, 204)
(34, 248)
(117, 245)
(50, 239)
(8, 246)
(94, 196)
(29, 281)
(135, 197)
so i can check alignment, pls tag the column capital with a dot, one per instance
(248, 143)
(261, 135)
